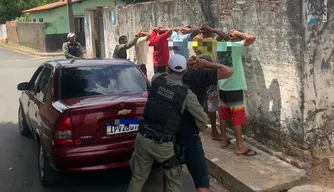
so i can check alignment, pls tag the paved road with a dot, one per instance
(18, 155)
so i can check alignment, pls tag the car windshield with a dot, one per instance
(101, 80)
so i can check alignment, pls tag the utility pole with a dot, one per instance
(70, 16)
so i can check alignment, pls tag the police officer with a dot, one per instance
(72, 49)
(168, 98)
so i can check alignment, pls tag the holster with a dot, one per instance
(177, 160)
(179, 152)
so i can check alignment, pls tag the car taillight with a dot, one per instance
(63, 132)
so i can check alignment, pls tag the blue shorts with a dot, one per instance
(195, 160)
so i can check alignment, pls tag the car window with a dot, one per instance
(101, 80)
(42, 85)
(35, 78)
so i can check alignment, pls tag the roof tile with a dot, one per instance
(49, 6)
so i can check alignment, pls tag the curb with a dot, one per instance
(30, 52)
(235, 182)
(291, 160)
(225, 178)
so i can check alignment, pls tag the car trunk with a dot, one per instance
(106, 119)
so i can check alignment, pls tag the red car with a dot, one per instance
(83, 114)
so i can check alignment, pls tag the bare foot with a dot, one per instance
(216, 137)
(225, 143)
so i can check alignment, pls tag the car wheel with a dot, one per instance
(47, 175)
(23, 127)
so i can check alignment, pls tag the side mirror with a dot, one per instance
(24, 86)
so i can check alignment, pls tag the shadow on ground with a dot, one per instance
(19, 172)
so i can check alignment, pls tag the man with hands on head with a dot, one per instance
(158, 40)
(180, 38)
(200, 74)
(207, 44)
(141, 51)
(231, 89)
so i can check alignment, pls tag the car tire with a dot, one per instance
(47, 175)
(23, 127)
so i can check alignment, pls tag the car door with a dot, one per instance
(28, 96)
(39, 97)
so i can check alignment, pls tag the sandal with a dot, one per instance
(248, 153)
(227, 144)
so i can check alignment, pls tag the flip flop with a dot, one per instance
(227, 144)
(247, 153)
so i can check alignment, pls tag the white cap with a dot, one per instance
(177, 63)
(70, 35)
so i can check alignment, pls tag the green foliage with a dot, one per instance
(12, 9)
(24, 18)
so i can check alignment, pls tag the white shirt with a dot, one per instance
(141, 51)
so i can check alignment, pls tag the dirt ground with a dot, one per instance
(321, 175)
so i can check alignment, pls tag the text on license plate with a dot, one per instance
(122, 126)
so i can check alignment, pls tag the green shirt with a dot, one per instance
(230, 54)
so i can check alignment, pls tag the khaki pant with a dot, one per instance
(142, 159)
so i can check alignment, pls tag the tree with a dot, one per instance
(11, 9)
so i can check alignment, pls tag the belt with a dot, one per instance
(155, 136)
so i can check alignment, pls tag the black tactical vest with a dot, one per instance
(74, 49)
(164, 104)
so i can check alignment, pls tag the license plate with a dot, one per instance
(122, 126)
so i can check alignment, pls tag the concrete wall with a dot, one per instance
(31, 35)
(90, 34)
(58, 20)
(319, 80)
(289, 69)
(12, 32)
(3, 32)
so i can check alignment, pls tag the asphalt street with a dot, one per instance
(18, 155)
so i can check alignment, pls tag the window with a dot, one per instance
(35, 78)
(79, 24)
(40, 19)
(101, 80)
(34, 20)
(43, 84)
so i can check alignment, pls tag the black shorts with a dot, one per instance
(159, 69)
(195, 160)
(231, 96)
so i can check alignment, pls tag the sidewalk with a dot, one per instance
(263, 172)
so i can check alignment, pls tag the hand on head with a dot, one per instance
(138, 32)
(157, 29)
(233, 33)
(205, 28)
(141, 33)
(196, 63)
(185, 29)
(192, 61)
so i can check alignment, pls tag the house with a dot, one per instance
(55, 19)
(55, 14)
